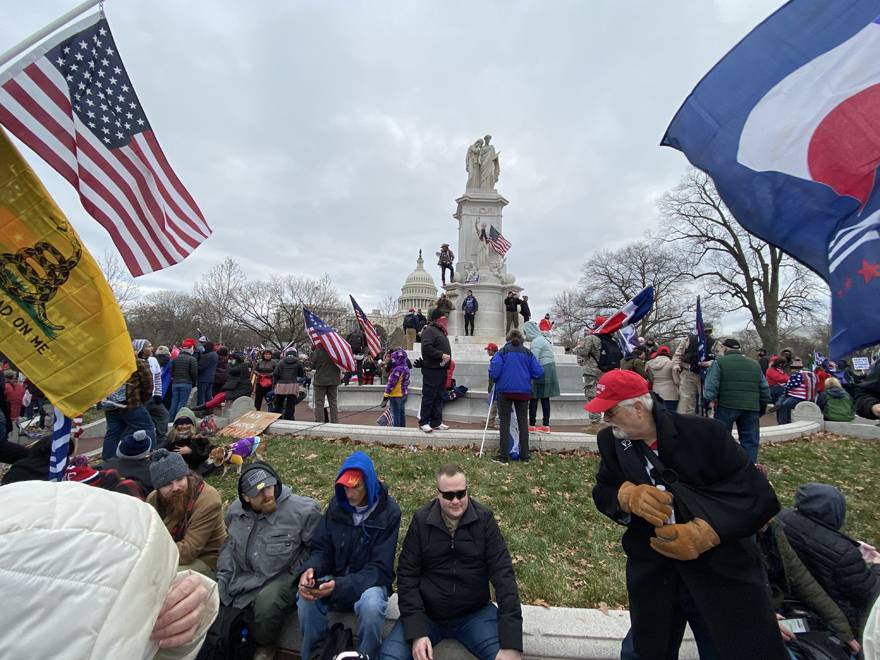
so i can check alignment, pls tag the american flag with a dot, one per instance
(72, 102)
(500, 244)
(373, 343)
(323, 335)
(801, 385)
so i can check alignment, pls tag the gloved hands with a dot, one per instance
(418, 362)
(385, 402)
(685, 541)
(645, 501)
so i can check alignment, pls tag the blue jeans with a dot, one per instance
(398, 410)
(125, 422)
(369, 609)
(179, 398)
(698, 627)
(205, 392)
(786, 405)
(747, 426)
(477, 632)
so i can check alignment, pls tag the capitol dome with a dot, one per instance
(418, 290)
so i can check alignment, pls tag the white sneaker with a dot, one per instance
(426, 428)
(442, 427)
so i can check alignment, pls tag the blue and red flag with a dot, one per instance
(632, 312)
(785, 124)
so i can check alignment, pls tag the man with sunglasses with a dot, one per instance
(691, 501)
(452, 551)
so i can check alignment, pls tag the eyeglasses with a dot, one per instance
(453, 494)
(611, 412)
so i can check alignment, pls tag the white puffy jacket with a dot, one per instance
(83, 573)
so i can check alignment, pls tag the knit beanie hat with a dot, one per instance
(134, 446)
(138, 345)
(79, 470)
(163, 350)
(165, 467)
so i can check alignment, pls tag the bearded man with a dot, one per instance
(270, 532)
(191, 510)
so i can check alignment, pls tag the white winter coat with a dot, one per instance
(83, 573)
(664, 381)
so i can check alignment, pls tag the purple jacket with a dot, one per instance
(399, 373)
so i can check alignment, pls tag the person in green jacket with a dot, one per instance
(835, 402)
(790, 579)
(739, 392)
(547, 386)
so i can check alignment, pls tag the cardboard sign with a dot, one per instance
(248, 425)
(861, 363)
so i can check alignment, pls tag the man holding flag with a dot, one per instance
(331, 354)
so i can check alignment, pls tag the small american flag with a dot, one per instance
(373, 343)
(500, 244)
(61, 430)
(323, 335)
(72, 102)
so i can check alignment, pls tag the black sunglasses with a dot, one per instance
(452, 494)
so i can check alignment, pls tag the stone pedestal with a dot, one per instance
(479, 267)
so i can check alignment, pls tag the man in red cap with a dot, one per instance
(691, 501)
(351, 564)
(596, 354)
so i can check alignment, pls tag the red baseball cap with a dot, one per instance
(491, 346)
(188, 343)
(350, 478)
(615, 386)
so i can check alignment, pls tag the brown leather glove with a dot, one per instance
(685, 541)
(645, 501)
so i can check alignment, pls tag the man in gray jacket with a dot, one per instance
(269, 533)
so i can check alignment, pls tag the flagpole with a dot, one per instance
(41, 34)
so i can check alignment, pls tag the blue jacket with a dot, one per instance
(359, 557)
(513, 368)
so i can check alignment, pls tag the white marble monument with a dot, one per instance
(479, 267)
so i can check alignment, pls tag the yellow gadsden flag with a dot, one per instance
(59, 321)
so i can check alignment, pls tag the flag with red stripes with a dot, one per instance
(72, 102)
(500, 244)
(323, 335)
(374, 345)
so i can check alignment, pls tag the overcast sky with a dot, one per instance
(329, 136)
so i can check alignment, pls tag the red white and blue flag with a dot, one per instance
(786, 126)
(495, 239)
(632, 312)
(61, 433)
(801, 385)
(374, 345)
(70, 100)
(326, 337)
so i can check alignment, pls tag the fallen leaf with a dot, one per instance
(541, 603)
(603, 608)
(310, 457)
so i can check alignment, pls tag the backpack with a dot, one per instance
(337, 640)
(818, 643)
(610, 355)
(229, 637)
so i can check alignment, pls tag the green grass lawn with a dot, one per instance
(565, 552)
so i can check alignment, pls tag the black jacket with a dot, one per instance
(443, 578)
(288, 370)
(833, 558)
(525, 310)
(238, 381)
(207, 366)
(184, 369)
(434, 344)
(868, 393)
(133, 468)
(727, 583)
(512, 303)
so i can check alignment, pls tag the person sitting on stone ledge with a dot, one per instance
(452, 551)
(270, 530)
(191, 510)
(238, 383)
(353, 546)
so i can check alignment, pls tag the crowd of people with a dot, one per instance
(706, 539)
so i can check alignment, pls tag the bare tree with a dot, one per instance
(163, 317)
(218, 292)
(737, 269)
(610, 278)
(125, 289)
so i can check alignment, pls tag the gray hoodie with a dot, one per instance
(261, 547)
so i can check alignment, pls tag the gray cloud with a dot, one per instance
(330, 137)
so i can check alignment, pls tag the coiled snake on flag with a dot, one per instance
(33, 275)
